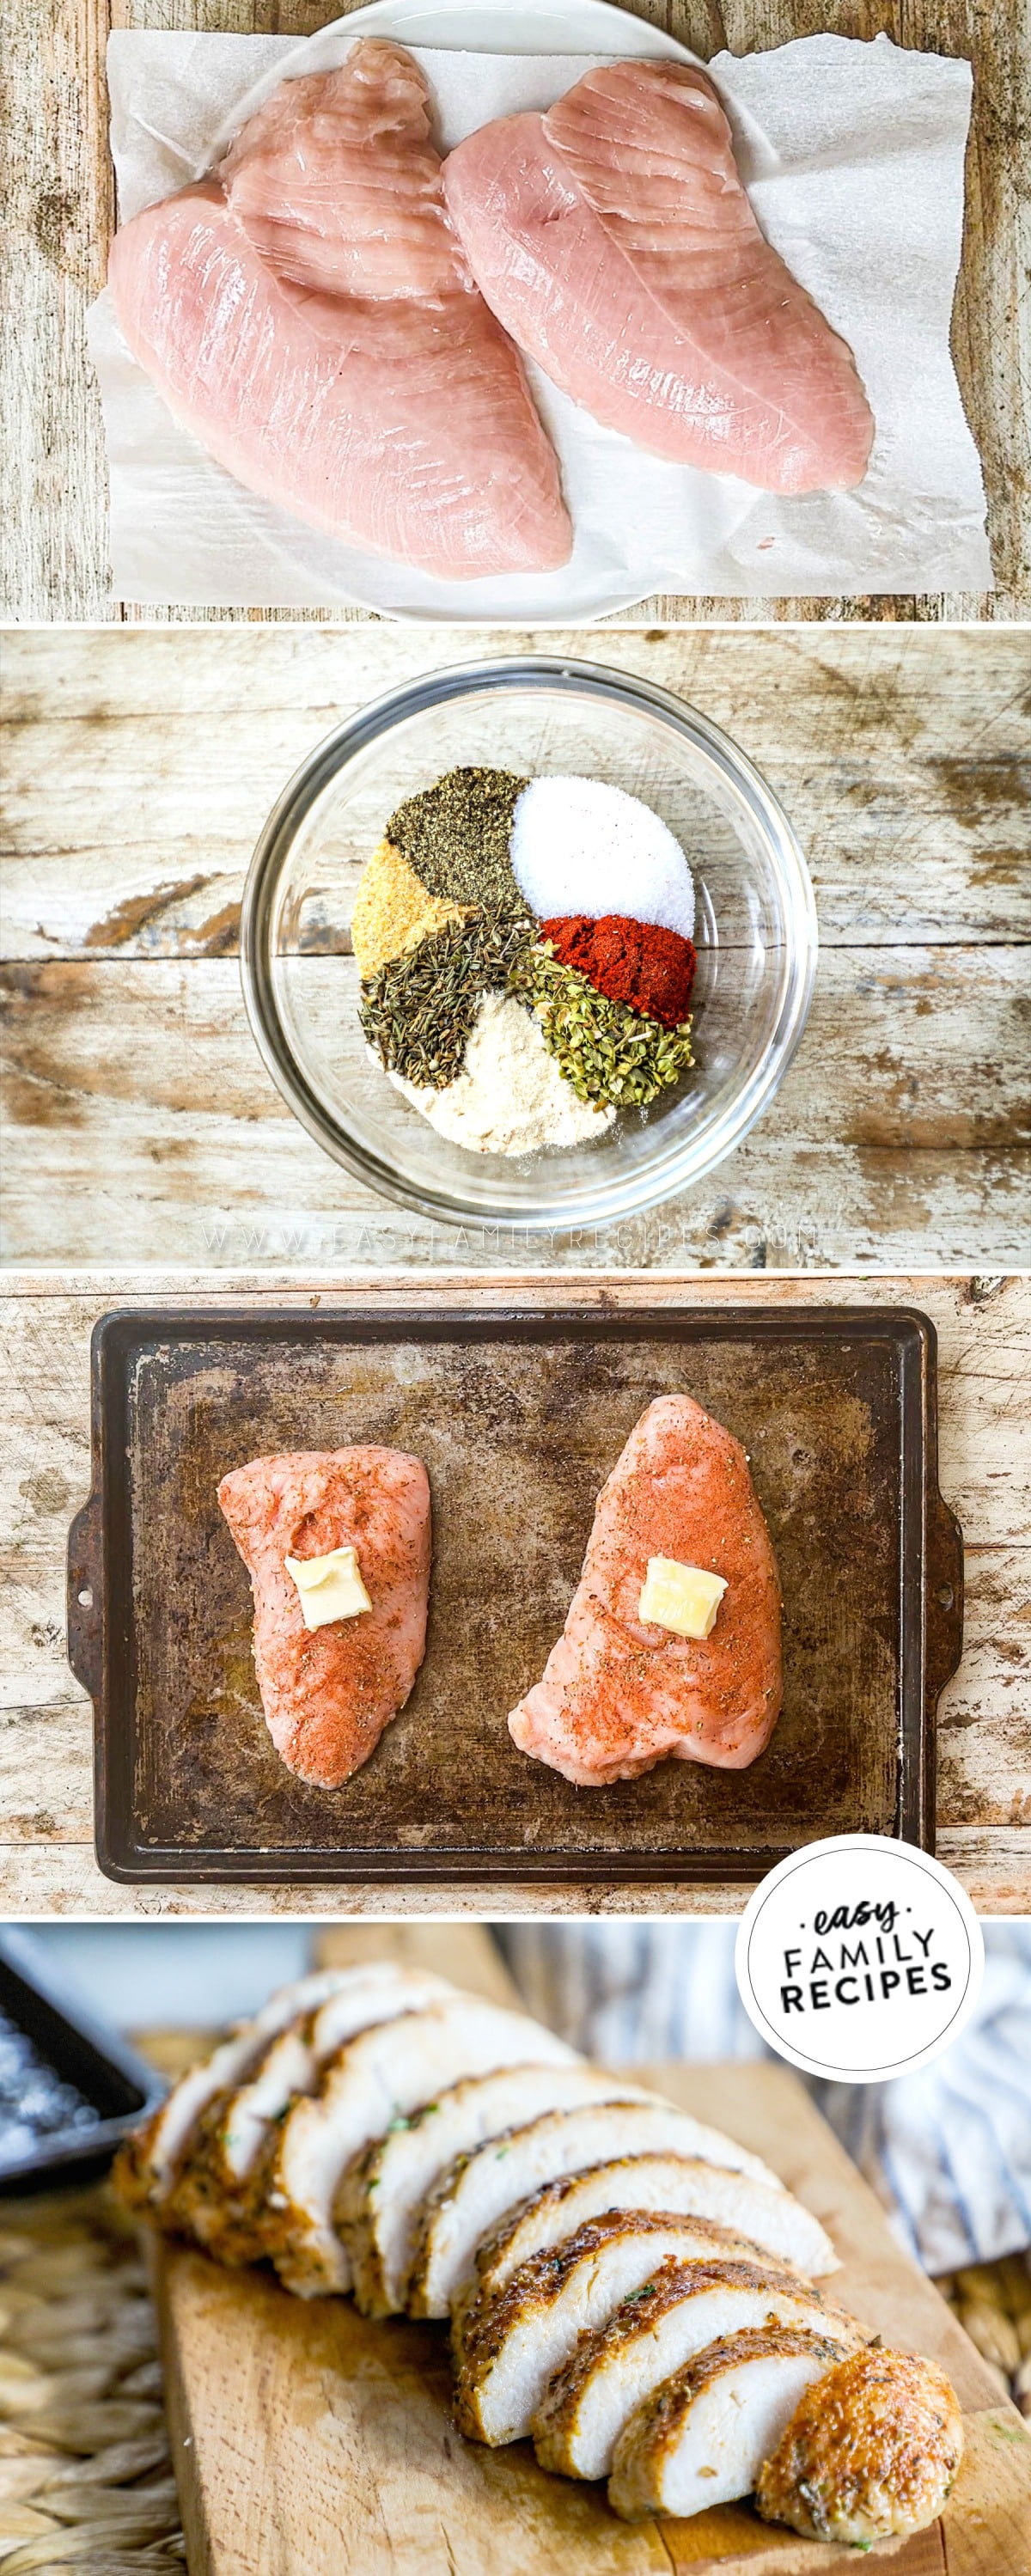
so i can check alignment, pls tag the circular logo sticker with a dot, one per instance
(859, 1958)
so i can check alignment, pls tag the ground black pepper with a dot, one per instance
(456, 836)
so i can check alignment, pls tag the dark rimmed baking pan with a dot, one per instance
(519, 1416)
(80, 2089)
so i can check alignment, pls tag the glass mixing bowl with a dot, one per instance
(755, 934)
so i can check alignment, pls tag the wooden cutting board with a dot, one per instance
(308, 2442)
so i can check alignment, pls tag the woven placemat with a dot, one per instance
(85, 2478)
(993, 2304)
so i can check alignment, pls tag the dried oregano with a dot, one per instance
(607, 1051)
(419, 1010)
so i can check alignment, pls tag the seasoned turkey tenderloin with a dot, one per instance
(384, 2075)
(514, 2343)
(468, 2204)
(772, 2219)
(382, 2193)
(148, 2163)
(870, 2453)
(220, 2191)
(329, 1691)
(679, 2309)
(701, 2437)
(619, 1692)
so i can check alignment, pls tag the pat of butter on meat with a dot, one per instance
(681, 1597)
(330, 1586)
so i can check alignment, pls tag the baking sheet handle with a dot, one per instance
(85, 1607)
(944, 1595)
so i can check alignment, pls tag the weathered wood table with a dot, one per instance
(46, 1818)
(61, 210)
(142, 1126)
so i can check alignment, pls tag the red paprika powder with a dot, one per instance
(629, 961)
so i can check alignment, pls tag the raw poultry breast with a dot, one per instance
(307, 313)
(329, 1692)
(618, 1694)
(615, 241)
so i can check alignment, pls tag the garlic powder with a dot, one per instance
(510, 1097)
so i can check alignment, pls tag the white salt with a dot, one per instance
(510, 1097)
(580, 846)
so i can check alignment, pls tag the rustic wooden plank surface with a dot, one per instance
(46, 1858)
(61, 211)
(308, 2436)
(142, 1126)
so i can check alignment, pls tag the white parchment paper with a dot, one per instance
(853, 158)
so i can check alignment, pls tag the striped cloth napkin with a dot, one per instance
(947, 2150)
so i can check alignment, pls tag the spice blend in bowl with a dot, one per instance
(512, 1035)
(306, 944)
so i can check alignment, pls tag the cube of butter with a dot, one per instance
(330, 1586)
(681, 1597)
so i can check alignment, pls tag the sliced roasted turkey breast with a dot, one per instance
(870, 2452)
(383, 2075)
(150, 2159)
(512, 2346)
(679, 2309)
(772, 2219)
(220, 2190)
(702, 2436)
(467, 2204)
(382, 2192)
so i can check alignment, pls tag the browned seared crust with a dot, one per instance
(130, 2170)
(273, 2227)
(351, 2202)
(442, 2190)
(538, 2282)
(199, 2183)
(358, 2180)
(659, 2417)
(674, 2281)
(550, 2195)
(445, 2184)
(193, 2188)
(226, 2220)
(230, 2207)
(870, 2453)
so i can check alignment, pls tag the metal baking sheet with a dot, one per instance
(519, 1416)
(112, 2081)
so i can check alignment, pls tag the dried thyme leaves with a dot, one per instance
(606, 1051)
(419, 1011)
(456, 836)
